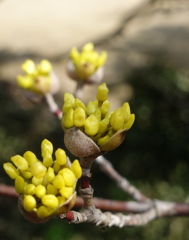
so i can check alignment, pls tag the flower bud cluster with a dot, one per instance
(37, 78)
(88, 61)
(44, 186)
(95, 120)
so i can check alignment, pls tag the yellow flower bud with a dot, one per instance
(117, 119)
(66, 192)
(58, 181)
(97, 114)
(30, 157)
(103, 140)
(88, 47)
(11, 170)
(49, 176)
(44, 211)
(56, 167)
(37, 181)
(67, 120)
(19, 184)
(67, 106)
(40, 191)
(129, 124)
(46, 147)
(38, 170)
(68, 176)
(76, 168)
(47, 160)
(29, 203)
(30, 189)
(91, 125)
(44, 67)
(50, 201)
(61, 157)
(101, 59)
(29, 67)
(70, 97)
(127, 111)
(91, 107)
(25, 82)
(79, 103)
(102, 92)
(102, 127)
(26, 174)
(51, 189)
(61, 200)
(105, 107)
(79, 117)
(20, 162)
(92, 57)
(74, 55)
(39, 186)
(84, 70)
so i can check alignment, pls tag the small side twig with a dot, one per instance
(122, 182)
(53, 106)
(107, 219)
(79, 89)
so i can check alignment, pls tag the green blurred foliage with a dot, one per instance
(154, 156)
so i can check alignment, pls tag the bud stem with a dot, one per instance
(79, 89)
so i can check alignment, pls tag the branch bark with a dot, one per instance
(122, 182)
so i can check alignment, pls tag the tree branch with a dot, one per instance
(122, 182)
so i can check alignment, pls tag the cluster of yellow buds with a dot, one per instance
(86, 62)
(37, 78)
(46, 187)
(95, 120)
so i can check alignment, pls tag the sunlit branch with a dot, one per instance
(122, 182)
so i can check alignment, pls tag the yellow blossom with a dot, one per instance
(95, 120)
(37, 78)
(88, 61)
(41, 184)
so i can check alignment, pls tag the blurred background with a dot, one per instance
(147, 45)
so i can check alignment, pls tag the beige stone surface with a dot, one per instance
(51, 27)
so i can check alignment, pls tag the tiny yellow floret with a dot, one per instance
(117, 119)
(26, 174)
(50, 200)
(58, 181)
(30, 157)
(20, 162)
(79, 117)
(102, 92)
(46, 146)
(49, 176)
(44, 67)
(76, 168)
(38, 170)
(44, 211)
(10, 170)
(29, 203)
(40, 191)
(51, 189)
(47, 159)
(68, 176)
(19, 184)
(61, 157)
(129, 124)
(30, 189)
(66, 192)
(67, 120)
(91, 125)
(29, 67)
